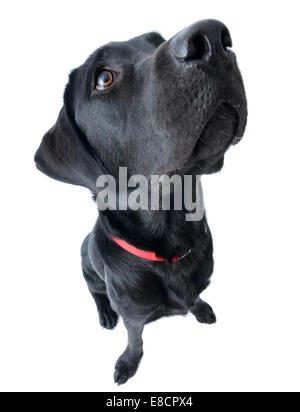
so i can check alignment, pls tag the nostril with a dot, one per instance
(199, 46)
(192, 48)
(226, 39)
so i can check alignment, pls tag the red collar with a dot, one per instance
(144, 254)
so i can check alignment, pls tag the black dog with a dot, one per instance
(155, 107)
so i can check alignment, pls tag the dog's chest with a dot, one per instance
(182, 289)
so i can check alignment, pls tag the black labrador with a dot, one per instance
(156, 107)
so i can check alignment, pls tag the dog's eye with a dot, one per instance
(104, 80)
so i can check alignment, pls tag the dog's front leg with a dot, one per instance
(128, 362)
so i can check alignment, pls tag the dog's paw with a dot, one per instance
(205, 314)
(108, 318)
(125, 369)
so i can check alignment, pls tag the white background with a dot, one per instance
(50, 338)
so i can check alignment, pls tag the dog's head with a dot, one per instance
(153, 106)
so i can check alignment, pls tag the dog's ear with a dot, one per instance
(65, 153)
(155, 38)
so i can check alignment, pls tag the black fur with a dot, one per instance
(175, 106)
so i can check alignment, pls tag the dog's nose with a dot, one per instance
(206, 41)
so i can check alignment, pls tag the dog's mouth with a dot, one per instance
(218, 134)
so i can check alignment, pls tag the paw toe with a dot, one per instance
(126, 368)
(108, 318)
(122, 374)
(206, 315)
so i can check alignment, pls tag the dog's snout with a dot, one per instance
(206, 40)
